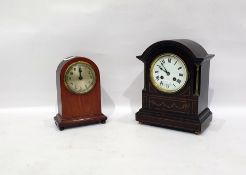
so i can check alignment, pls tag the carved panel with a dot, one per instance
(162, 104)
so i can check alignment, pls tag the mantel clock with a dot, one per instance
(78, 93)
(176, 81)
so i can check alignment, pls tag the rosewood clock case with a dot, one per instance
(186, 109)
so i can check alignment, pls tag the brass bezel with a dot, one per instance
(93, 80)
(157, 86)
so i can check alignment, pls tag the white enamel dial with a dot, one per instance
(168, 73)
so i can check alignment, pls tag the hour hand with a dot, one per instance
(80, 74)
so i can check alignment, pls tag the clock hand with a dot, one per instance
(168, 73)
(80, 74)
(165, 70)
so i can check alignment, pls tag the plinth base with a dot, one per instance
(194, 124)
(66, 122)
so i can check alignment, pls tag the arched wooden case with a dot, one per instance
(77, 109)
(186, 109)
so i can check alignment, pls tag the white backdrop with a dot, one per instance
(35, 35)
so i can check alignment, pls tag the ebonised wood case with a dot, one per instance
(187, 109)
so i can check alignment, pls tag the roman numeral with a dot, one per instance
(174, 85)
(161, 83)
(157, 77)
(175, 62)
(169, 60)
(181, 75)
(179, 68)
(156, 71)
(162, 62)
(179, 81)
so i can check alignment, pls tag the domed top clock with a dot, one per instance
(78, 93)
(176, 80)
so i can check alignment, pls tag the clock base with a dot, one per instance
(62, 122)
(176, 121)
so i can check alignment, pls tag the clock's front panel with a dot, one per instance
(80, 89)
(169, 85)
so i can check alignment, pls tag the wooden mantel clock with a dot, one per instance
(78, 93)
(176, 80)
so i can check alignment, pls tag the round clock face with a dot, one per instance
(168, 73)
(80, 77)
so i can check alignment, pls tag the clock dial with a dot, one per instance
(80, 77)
(168, 73)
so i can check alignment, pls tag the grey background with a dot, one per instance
(37, 35)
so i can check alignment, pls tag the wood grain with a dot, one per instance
(75, 109)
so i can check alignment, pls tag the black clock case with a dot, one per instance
(187, 109)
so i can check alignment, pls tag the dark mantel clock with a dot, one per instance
(176, 80)
(78, 93)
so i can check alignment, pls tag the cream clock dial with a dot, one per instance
(80, 77)
(168, 73)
